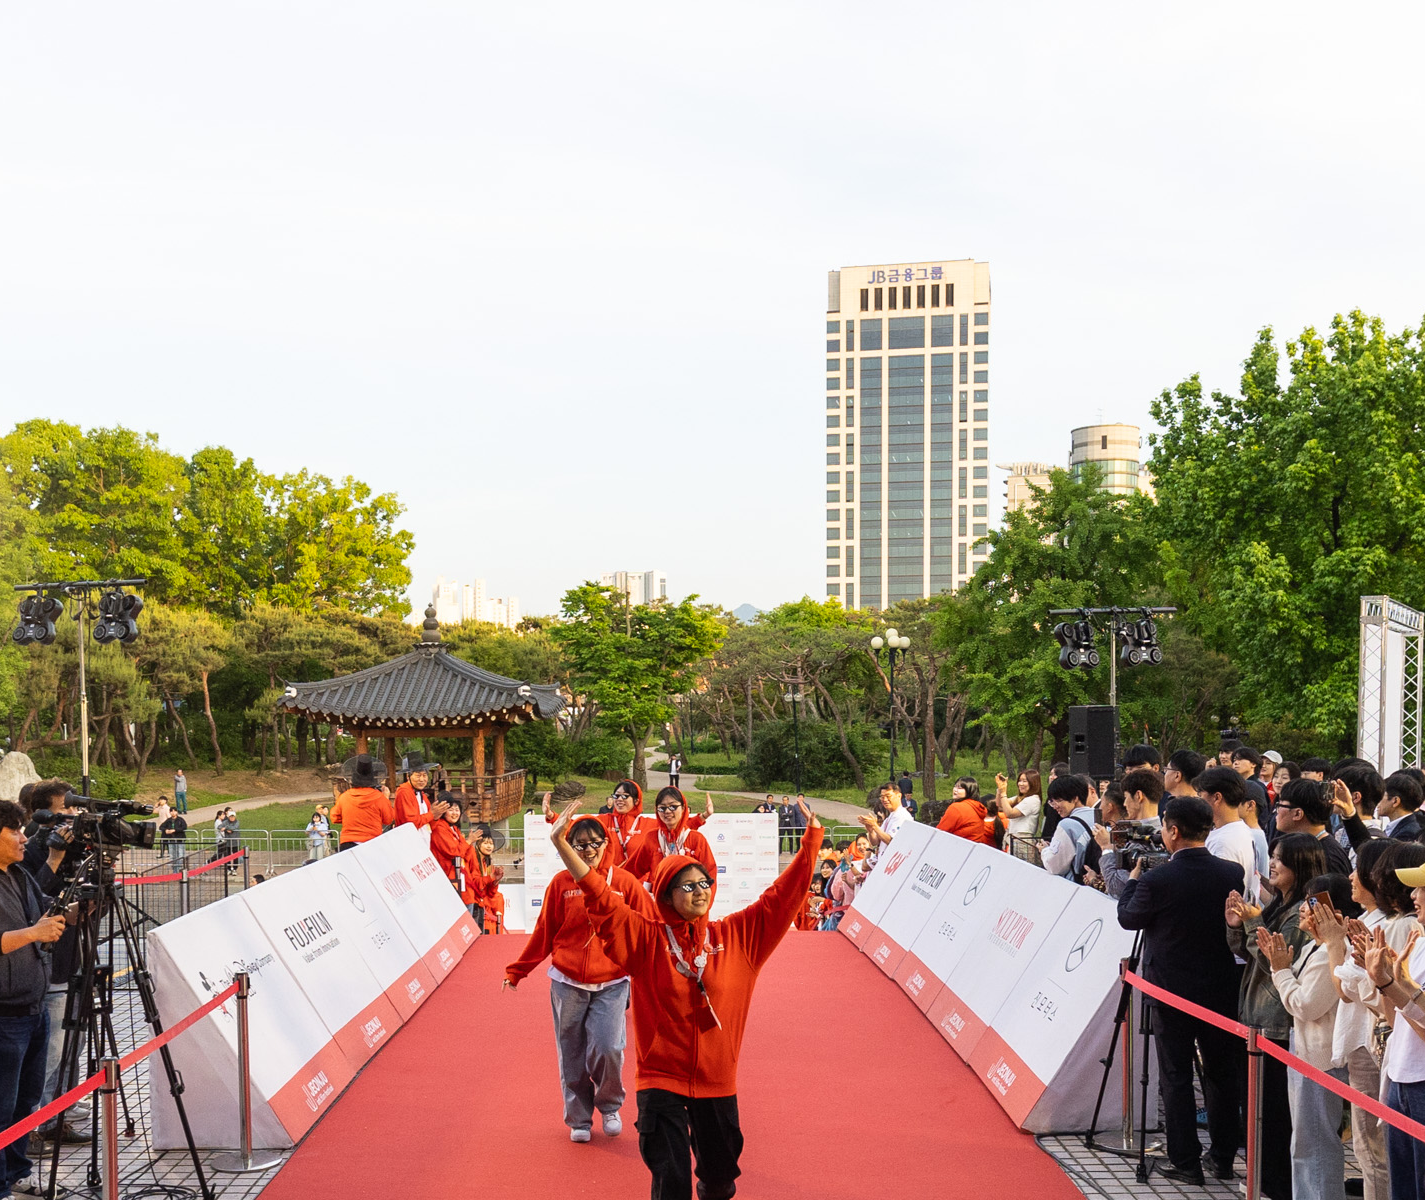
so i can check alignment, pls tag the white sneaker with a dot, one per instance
(613, 1124)
(579, 1135)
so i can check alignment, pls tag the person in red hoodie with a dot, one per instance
(693, 980)
(412, 800)
(488, 897)
(587, 992)
(455, 855)
(965, 816)
(624, 823)
(671, 835)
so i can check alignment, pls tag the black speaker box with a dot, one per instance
(1093, 740)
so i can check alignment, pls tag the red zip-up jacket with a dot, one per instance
(645, 852)
(565, 931)
(412, 808)
(680, 1047)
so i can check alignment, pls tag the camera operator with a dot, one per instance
(1179, 907)
(24, 1022)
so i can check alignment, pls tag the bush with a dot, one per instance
(773, 757)
(601, 754)
(105, 783)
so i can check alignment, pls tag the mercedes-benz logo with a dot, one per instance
(349, 891)
(1083, 944)
(974, 889)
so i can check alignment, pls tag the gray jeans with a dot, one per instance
(591, 1032)
(80, 1113)
(1318, 1160)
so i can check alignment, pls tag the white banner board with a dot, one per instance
(541, 864)
(744, 846)
(880, 888)
(926, 881)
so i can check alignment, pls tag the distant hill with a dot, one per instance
(746, 613)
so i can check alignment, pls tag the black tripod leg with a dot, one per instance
(1144, 1167)
(1120, 1019)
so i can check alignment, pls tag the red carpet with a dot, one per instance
(844, 1090)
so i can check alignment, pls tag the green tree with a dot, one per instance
(226, 531)
(629, 660)
(1281, 507)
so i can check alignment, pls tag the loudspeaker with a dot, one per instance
(1093, 740)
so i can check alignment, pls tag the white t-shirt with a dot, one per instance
(1405, 1051)
(1234, 842)
(898, 817)
(1023, 826)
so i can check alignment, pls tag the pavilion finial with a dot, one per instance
(430, 628)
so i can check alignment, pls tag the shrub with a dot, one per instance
(773, 756)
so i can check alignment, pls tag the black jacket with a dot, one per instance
(24, 972)
(1180, 906)
(1408, 830)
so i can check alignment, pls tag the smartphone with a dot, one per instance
(1322, 898)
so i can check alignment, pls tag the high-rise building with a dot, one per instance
(641, 587)
(1116, 451)
(455, 602)
(907, 510)
(1023, 475)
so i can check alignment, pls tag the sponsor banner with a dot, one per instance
(744, 846)
(315, 932)
(955, 1021)
(926, 881)
(541, 864)
(856, 927)
(412, 885)
(985, 882)
(1052, 1012)
(195, 957)
(896, 861)
(1006, 940)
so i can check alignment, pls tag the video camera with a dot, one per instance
(1137, 841)
(99, 823)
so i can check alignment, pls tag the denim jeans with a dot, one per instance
(1406, 1155)
(591, 1034)
(22, 1079)
(1318, 1160)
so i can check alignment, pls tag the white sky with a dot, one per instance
(555, 273)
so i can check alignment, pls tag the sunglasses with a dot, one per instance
(669, 808)
(582, 846)
(698, 885)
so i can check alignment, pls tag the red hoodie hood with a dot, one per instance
(689, 933)
(627, 821)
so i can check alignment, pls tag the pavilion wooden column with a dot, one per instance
(361, 742)
(500, 752)
(390, 762)
(479, 762)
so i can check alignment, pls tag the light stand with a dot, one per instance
(894, 644)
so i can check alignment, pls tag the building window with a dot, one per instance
(964, 367)
(980, 510)
(964, 444)
(833, 346)
(850, 482)
(920, 296)
(865, 299)
(982, 414)
(964, 329)
(942, 329)
(833, 458)
(850, 561)
(878, 309)
(893, 295)
(981, 548)
(982, 472)
(833, 327)
(833, 383)
(850, 523)
(850, 373)
(949, 295)
(833, 364)
(833, 497)
(1103, 442)
(982, 318)
(850, 413)
(850, 443)
(833, 477)
(833, 514)
(833, 421)
(850, 593)
(962, 558)
(982, 338)
(982, 356)
(850, 336)
(982, 396)
(982, 435)
(833, 439)
(905, 297)
(964, 519)
(934, 295)
(982, 452)
(906, 333)
(832, 533)
(870, 337)
(981, 491)
(833, 402)
(980, 529)
(833, 570)
(833, 552)
(962, 482)
(964, 408)
(982, 377)
(833, 589)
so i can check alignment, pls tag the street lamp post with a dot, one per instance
(894, 644)
(794, 697)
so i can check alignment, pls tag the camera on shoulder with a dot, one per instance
(1138, 841)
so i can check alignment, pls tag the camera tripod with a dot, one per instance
(89, 1003)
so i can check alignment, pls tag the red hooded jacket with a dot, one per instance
(654, 844)
(565, 930)
(449, 846)
(412, 807)
(966, 819)
(623, 828)
(681, 1048)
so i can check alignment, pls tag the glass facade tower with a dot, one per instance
(908, 346)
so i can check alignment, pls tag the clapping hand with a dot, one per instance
(1325, 924)
(1238, 910)
(548, 807)
(1274, 946)
(1381, 960)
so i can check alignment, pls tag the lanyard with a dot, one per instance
(675, 847)
(624, 838)
(681, 965)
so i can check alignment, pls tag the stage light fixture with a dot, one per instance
(118, 618)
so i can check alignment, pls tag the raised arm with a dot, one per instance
(764, 922)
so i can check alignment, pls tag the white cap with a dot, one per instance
(1272, 756)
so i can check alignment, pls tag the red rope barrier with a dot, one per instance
(138, 880)
(60, 1103)
(1369, 1103)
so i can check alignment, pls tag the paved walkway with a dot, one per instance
(832, 812)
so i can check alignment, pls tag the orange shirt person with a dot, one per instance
(488, 897)
(693, 980)
(412, 800)
(588, 992)
(671, 835)
(362, 810)
(624, 823)
(965, 817)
